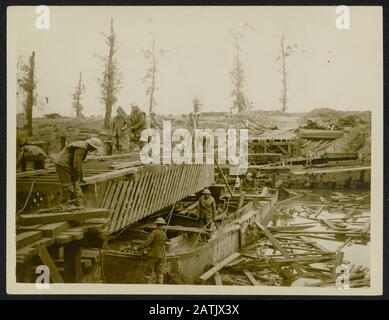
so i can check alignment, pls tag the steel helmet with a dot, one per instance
(206, 191)
(95, 142)
(160, 221)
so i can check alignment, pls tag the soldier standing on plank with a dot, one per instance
(68, 165)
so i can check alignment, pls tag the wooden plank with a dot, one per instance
(122, 202)
(29, 219)
(126, 214)
(277, 245)
(108, 200)
(250, 277)
(177, 228)
(126, 203)
(115, 198)
(166, 192)
(224, 177)
(142, 194)
(131, 215)
(53, 229)
(63, 238)
(283, 273)
(25, 238)
(20, 229)
(34, 173)
(160, 192)
(157, 191)
(218, 279)
(44, 255)
(205, 276)
(123, 165)
(145, 199)
(118, 205)
(338, 260)
(110, 175)
(105, 195)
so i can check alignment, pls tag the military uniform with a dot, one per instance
(137, 122)
(156, 242)
(68, 165)
(31, 153)
(207, 209)
(120, 134)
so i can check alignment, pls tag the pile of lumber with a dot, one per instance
(284, 254)
(40, 232)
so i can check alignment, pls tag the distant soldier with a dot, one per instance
(157, 253)
(137, 123)
(26, 152)
(120, 133)
(207, 209)
(68, 165)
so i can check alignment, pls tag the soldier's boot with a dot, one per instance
(160, 279)
(67, 193)
(78, 195)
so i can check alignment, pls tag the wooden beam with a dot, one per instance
(53, 229)
(277, 245)
(44, 255)
(205, 276)
(36, 218)
(224, 177)
(25, 238)
(178, 228)
(72, 263)
(250, 276)
(34, 173)
(110, 175)
(218, 279)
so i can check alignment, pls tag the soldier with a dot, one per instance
(26, 152)
(68, 165)
(157, 253)
(137, 121)
(207, 209)
(120, 133)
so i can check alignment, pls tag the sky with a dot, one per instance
(340, 69)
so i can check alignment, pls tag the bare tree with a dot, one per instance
(27, 83)
(284, 53)
(196, 104)
(152, 56)
(110, 81)
(78, 91)
(237, 74)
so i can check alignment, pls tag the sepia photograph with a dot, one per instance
(194, 150)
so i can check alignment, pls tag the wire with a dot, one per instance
(28, 198)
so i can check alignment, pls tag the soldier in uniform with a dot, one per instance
(137, 121)
(68, 165)
(207, 209)
(26, 152)
(120, 134)
(157, 253)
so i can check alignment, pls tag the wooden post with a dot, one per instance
(63, 142)
(24, 272)
(72, 262)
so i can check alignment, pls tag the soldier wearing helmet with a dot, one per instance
(207, 208)
(68, 165)
(157, 253)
